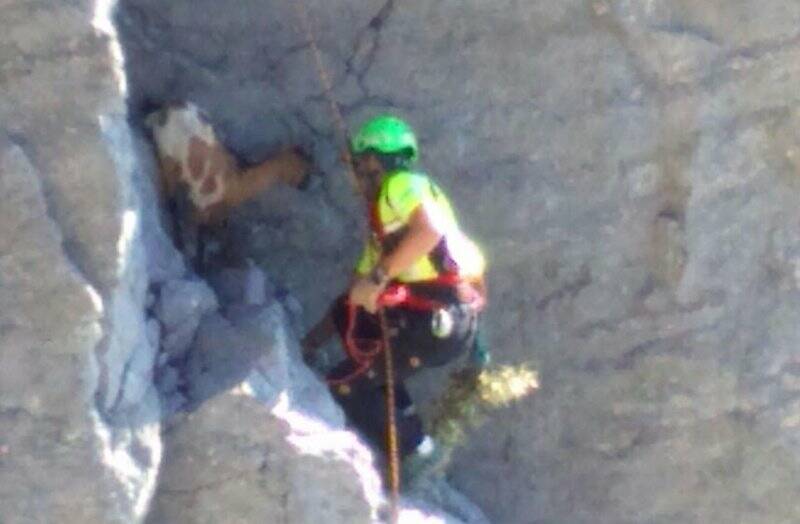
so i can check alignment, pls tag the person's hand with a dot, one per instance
(365, 293)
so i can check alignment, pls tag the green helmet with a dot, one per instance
(387, 135)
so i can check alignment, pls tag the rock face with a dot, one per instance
(259, 442)
(632, 169)
(79, 416)
(254, 436)
(630, 166)
(98, 313)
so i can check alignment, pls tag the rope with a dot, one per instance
(327, 86)
(391, 417)
(391, 421)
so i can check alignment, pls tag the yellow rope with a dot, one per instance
(327, 85)
(392, 451)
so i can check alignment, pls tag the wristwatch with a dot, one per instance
(378, 275)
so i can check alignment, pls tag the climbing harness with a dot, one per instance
(363, 351)
(336, 115)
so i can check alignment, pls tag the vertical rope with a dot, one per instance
(327, 86)
(392, 450)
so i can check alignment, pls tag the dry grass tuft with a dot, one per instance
(471, 396)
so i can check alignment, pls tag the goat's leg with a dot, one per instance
(214, 245)
(215, 237)
(288, 167)
(229, 249)
(186, 226)
(203, 253)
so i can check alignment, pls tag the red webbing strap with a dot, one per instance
(375, 224)
(353, 345)
(363, 351)
(401, 295)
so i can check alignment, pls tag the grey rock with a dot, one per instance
(228, 284)
(80, 428)
(182, 304)
(164, 262)
(150, 301)
(255, 289)
(173, 404)
(248, 285)
(630, 167)
(167, 380)
(263, 439)
(259, 430)
(294, 311)
(182, 300)
(236, 460)
(82, 250)
(175, 343)
(57, 413)
(255, 342)
(153, 333)
(436, 495)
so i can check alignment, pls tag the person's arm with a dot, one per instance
(423, 234)
(412, 204)
(420, 238)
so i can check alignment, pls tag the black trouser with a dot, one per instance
(414, 347)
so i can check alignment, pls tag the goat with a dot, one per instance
(197, 169)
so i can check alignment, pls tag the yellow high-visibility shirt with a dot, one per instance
(400, 194)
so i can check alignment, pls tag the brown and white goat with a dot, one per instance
(197, 168)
